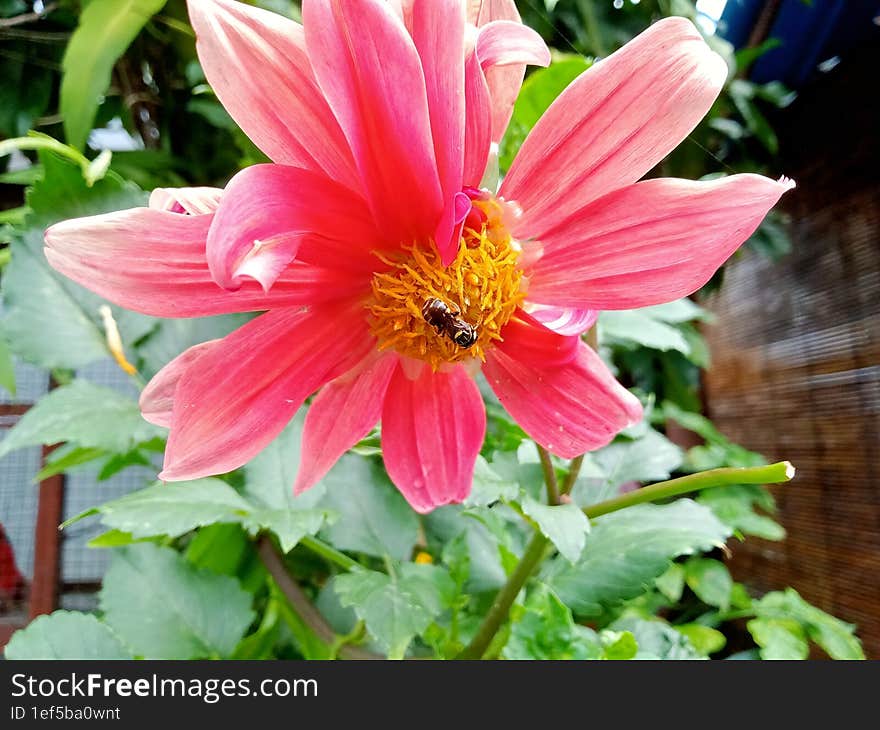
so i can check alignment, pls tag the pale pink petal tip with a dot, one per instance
(789, 469)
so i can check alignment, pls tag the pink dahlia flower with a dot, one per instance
(388, 277)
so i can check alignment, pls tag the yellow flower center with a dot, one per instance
(455, 313)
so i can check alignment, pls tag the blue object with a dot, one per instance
(809, 33)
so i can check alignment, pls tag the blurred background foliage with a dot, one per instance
(102, 100)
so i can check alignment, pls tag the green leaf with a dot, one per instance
(374, 518)
(289, 525)
(227, 549)
(177, 508)
(85, 415)
(565, 525)
(836, 637)
(66, 635)
(779, 638)
(627, 550)
(164, 608)
(638, 327)
(742, 94)
(270, 475)
(48, 319)
(106, 28)
(704, 639)
(173, 509)
(619, 645)
(650, 458)
(710, 580)
(118, 462)
(173, 336)
(538, 92)
(735, 505)
(111, 539)
(677, 312)
(7, 367)
(67, 460)
(671, 583)
(25, 82)
(489, 486)
(396, 610)
(472, 539)
(545, 629)
(657, 639)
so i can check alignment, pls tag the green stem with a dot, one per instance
(782, 471)
(504, 600)
(774, 473)
(92, 170)
(573, 470)
(329, 553)
(549, 475)
(7, 146)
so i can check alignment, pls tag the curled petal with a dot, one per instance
(157, 399)
(268, 210)
(153, 261)
(569, 407)
(370, 72)
(256, 62)
(506, 42)
(241, 392)
(503, 82)
(564, 320)
(432, 430)
(194, 201)
(651, 242)
(614, 123)
(341, 414)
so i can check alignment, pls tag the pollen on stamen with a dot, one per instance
(482, 287)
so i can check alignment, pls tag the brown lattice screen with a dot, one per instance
(796, 356)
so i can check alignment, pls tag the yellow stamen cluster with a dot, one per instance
(482, 284)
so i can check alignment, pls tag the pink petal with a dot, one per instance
(651, 242)
(153, 261)
(341, 414)
(256, 62)
(242, 391)
(157, 399)
(478, 124)
(438, 34)
(564, 320)
(507, 42)
(504, 82)
(614, 123)
(266, 212)
(567, 407)
(370, 72)
(195, 201)
(432, 430)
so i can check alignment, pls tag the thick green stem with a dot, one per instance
(782, 471)
(504, 600)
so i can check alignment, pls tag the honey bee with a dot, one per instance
(447, 321)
